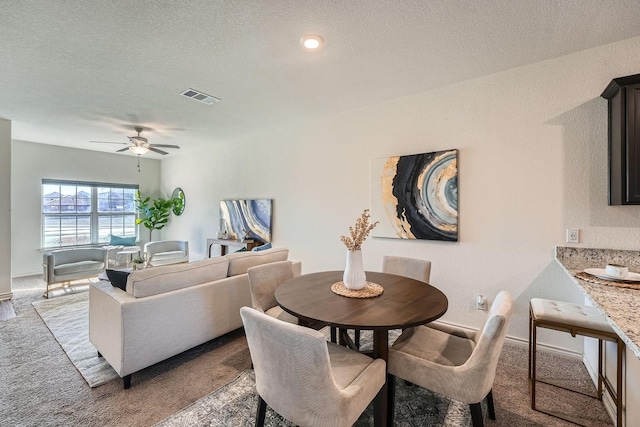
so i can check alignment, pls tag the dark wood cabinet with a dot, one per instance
(623, 96)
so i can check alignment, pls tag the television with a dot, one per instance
(246, 218)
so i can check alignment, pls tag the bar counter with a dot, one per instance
(621, 306)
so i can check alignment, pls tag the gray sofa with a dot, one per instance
(169, 309)
(65, 265)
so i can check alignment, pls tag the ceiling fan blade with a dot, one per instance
(122, 149)
(155, 150)
(110, 142)
(165, 146)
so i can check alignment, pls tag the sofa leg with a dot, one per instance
(99, 354)
(127, 381)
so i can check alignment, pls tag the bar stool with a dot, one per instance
(577, 320)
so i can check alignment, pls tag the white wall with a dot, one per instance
(5, 209)
(32, 162)
(532, 163)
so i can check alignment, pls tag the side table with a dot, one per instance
(225, 243)
(129, 253)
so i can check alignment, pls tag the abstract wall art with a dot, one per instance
(251, 215)
(416, 196)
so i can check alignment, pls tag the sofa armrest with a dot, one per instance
(106, 327)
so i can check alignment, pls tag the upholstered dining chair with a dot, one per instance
(458, 364)
(304, 378)
(263, 281)
(413, 268)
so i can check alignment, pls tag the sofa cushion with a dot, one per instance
(122, 241)
(77, 267)
(262, 247)
(161, 257)
(118, 278)
(157, 280)
(240, 262)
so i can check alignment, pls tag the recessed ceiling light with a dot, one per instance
(311, 42)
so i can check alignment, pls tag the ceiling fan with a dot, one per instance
(139, 144)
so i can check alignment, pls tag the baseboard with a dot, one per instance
(6, 296)
(19, 275)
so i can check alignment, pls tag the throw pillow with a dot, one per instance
(118, 278)
(262, 248)
(122, 241)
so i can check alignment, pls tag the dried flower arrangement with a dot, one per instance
(359, 233)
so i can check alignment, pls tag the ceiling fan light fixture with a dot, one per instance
(139, 149)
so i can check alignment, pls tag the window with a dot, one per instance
(85, 213)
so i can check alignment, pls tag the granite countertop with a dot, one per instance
(621, 306)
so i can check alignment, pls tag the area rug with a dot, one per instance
(235, 404)
(67, 317)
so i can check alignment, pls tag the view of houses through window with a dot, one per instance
(85, 213)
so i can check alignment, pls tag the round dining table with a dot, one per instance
(403, 303)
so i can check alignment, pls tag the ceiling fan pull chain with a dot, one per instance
(138, 163)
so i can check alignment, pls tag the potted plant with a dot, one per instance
(138, 263)
(155, 214)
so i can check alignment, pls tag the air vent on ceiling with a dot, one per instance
(200, 96)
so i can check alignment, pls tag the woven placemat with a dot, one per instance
(370, 290)
(594, 279)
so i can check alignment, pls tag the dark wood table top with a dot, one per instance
(404, 303)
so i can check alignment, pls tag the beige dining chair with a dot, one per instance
(453, 362)
(304, 378)
(263, 282)
(413, 268)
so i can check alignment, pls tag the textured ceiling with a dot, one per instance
(75, 70)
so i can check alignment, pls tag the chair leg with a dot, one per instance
(533, 366)
(600, 369)
(476, 414)
(490, 408)
(126, 380)
(334, 338)
(391, 397)
(619, 385)
(261, 413)
(356, 334)
(530, 337)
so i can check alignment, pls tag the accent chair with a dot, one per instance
(304, 378)
(65, 265)
(165, 252)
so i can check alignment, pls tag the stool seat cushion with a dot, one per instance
(569, 314)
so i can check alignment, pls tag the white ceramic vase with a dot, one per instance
(354, 276)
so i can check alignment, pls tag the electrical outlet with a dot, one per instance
(481, 303)
(573, 235)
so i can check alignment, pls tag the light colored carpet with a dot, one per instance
(40, 386)
(235, 405)
(67, 317)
